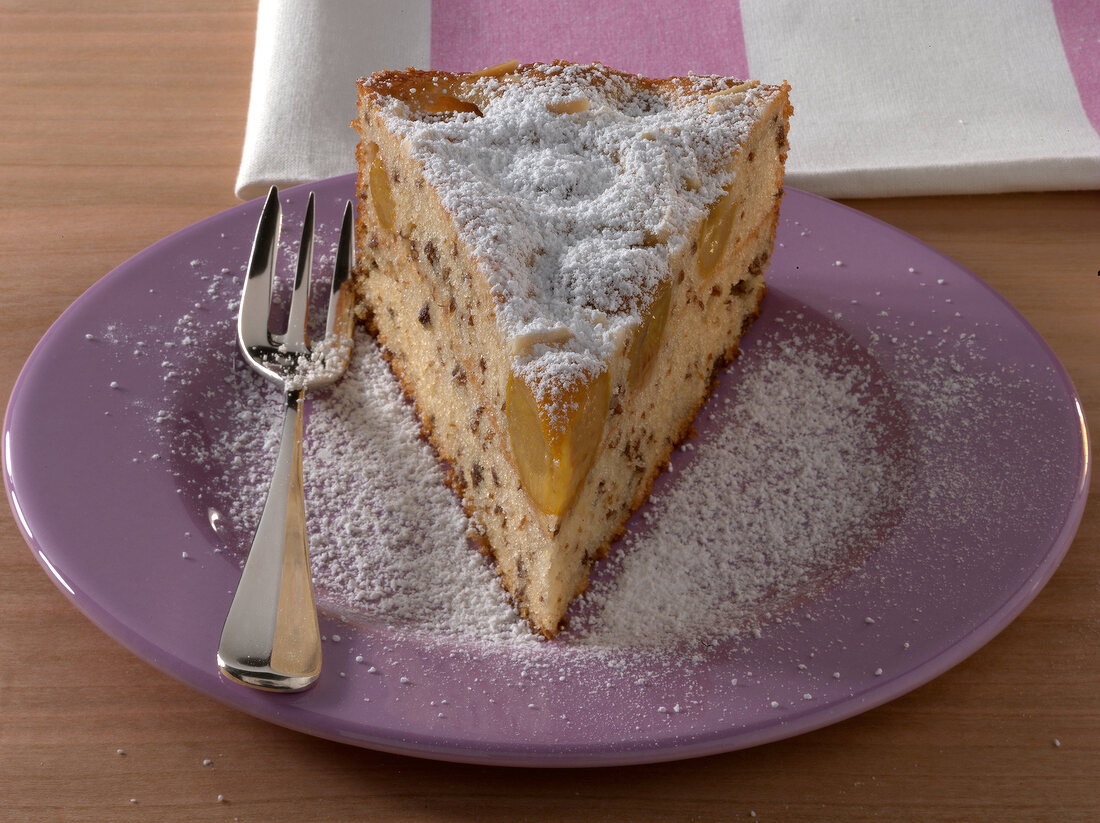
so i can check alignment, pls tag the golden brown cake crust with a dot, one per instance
(415, 86)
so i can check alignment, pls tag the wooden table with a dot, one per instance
(123, 122)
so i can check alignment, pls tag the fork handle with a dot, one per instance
(271, 639)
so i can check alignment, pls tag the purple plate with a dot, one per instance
(980, 422)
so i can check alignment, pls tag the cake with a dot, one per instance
(556, 259)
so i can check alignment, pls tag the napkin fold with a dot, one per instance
(890, 99)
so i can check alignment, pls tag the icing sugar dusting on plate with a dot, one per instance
(792, 481)
(388, 536)
(807, 462)
(802, 440)
(805, 477)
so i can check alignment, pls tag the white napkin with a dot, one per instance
(941, 97)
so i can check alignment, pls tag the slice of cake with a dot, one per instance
(556, 259)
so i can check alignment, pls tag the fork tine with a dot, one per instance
(256, 296)
(296, 339)
(341, 304)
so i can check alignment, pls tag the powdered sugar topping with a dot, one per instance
(574, 214)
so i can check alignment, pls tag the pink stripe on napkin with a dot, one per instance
(1079, 26)
(658, 38)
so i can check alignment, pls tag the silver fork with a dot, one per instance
(271, 639)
